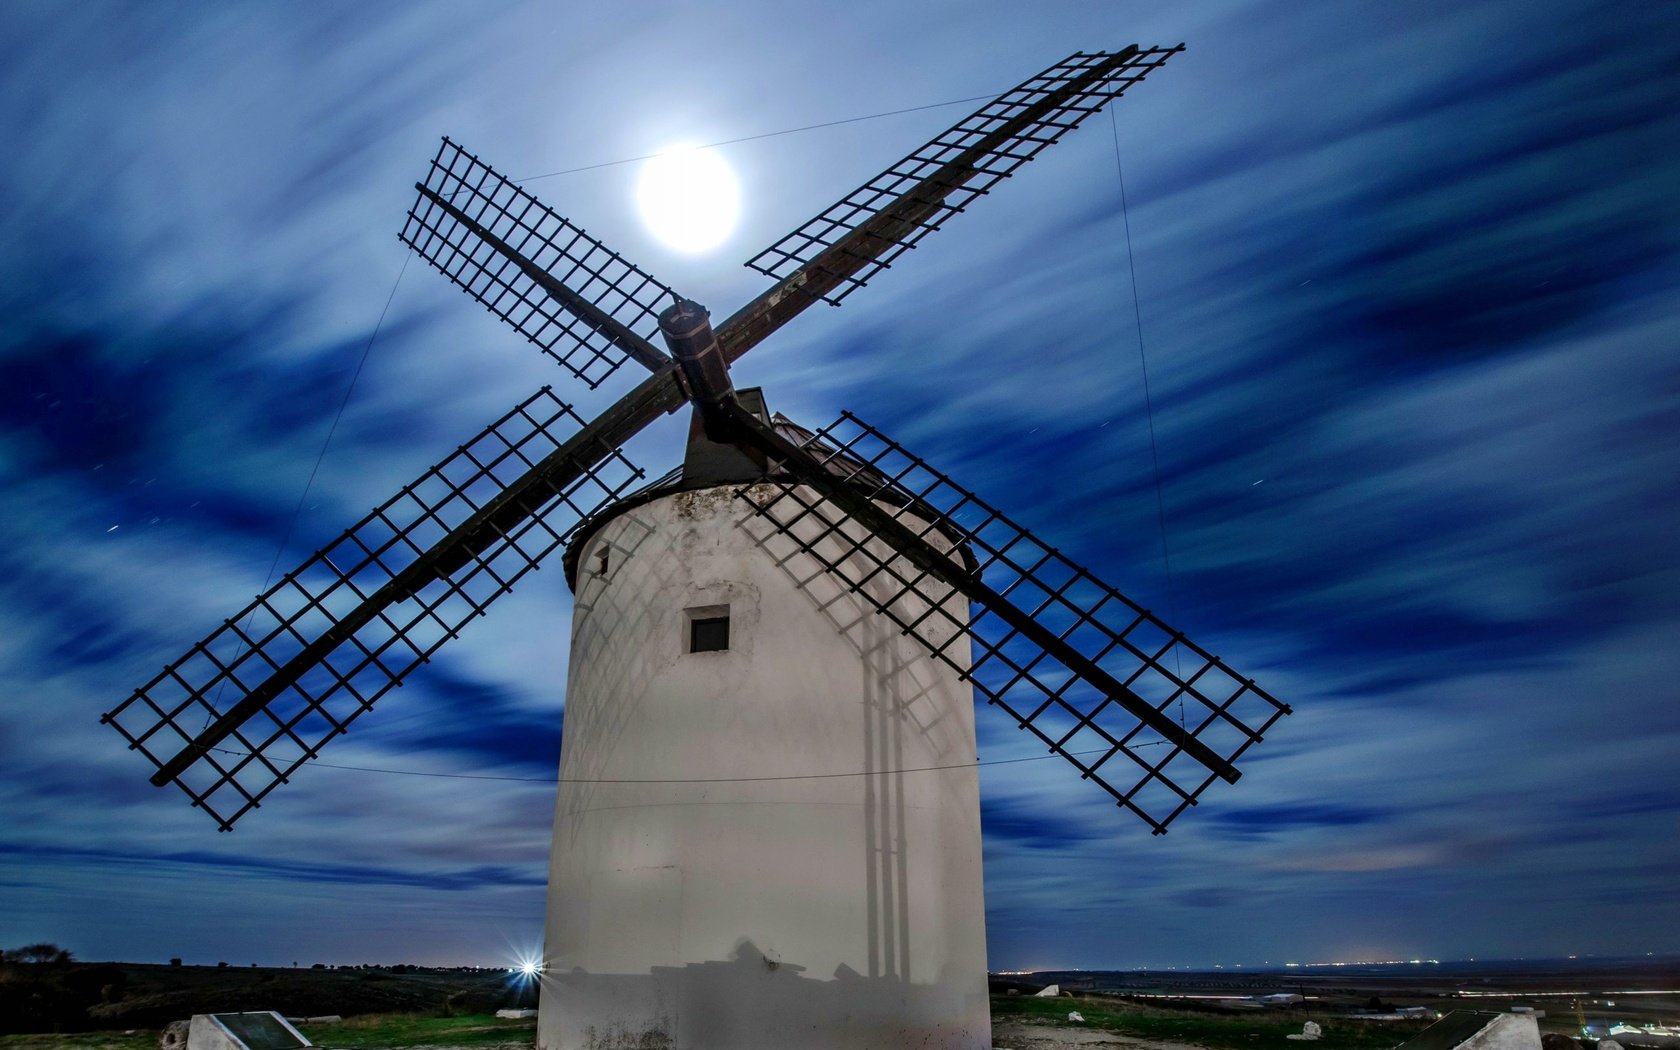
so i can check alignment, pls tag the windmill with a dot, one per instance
(767, 831)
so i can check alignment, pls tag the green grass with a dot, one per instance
(141, 1039)
(367, 1032)
(1259, 1031)
(374, 1031)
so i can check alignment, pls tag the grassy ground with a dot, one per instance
(368, 1032)
(1261, 1030)
(377, 1031)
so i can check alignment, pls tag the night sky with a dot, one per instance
(1406, 275)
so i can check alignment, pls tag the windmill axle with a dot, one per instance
(687, 329)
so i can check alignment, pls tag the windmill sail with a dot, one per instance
(250, 704)
(244, 708)
(863, 232)
(1150, 716)
(579, 301)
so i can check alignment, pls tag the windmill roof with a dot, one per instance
(854, 471)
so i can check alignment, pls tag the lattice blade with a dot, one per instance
(862, 233)
(576, 299)
(1146, 773)
(333, 589)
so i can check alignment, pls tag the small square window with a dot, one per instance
(707, 627)
(708, 634)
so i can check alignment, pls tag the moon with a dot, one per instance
(689, 199)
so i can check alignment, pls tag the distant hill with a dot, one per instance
(70, 996)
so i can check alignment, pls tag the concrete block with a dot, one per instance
(252, 1030)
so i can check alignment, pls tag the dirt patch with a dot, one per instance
(1020, 1035)
(524, 1044)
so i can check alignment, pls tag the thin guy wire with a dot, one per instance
(297, 512)
(764, 135)
(706, 780)
(1148, 405)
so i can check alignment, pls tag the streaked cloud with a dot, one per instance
(1405, 280)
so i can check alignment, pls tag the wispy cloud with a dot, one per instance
(1404, 278)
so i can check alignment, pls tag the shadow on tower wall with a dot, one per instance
(751, 1002)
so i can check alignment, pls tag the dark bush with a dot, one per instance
(41, 989)
(89, 982)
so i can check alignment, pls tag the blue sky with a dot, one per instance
(1406, 276)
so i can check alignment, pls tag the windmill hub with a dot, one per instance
(687, 329)
(683, 318)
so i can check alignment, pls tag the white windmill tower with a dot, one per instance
(705, 851)
(767, 831)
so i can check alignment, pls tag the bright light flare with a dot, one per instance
(689, 199)
(527, 968)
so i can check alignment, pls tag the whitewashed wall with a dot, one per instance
(830, 912)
